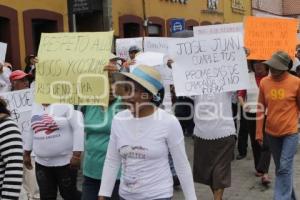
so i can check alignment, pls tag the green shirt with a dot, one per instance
(97, 125)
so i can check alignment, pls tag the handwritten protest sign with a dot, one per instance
(150, 58)
(264, 36)
(161, 45)
(220, 28)
(123, 45)
(209, 64)
(3, 47)
(70, 68)
(19, 103)
(157, 44)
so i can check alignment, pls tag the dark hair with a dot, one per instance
(27, 59)
(159, 98)
(3, 107)
(290, 66)
(293, 73)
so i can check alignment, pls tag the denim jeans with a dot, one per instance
(283, 150)
(90, 189)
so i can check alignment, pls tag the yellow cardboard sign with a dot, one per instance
(70, 68)
(264, 36)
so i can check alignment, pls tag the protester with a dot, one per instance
(30, 61)
(214, 141)
(57, 140)
(133, 51)
(248, 101)
(19, 80)
(5, 71)
(279, 95)
(141, 139)
(11, 160)
(234, 108)
(97, 122)
(298, 71)
(184, 112)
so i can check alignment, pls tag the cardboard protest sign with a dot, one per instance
(3, 47)
(209, 64)
(123, 45)
(264, 36)
(150, 58)
(157, 44)
(161, 45)
(70, 68)
(19, 103)
(219, 28)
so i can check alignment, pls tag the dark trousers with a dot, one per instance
(243, 135)
(50, 179)
(90, 189)
(261, 154)
(234, 108)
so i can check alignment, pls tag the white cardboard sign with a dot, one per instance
(209, 64)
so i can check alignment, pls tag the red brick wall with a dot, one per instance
(291, 7)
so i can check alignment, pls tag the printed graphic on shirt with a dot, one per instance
(277, 94)
(131, 155)
(43, 123)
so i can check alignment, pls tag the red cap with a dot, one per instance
(17, 75)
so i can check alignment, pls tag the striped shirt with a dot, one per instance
(11, 160)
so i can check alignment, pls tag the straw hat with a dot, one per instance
(146, 76)
(280, 61)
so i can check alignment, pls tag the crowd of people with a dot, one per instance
(135, 150)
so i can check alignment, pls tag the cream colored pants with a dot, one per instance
(30, 184)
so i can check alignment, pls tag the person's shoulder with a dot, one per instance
(8, 122)
(122, 115)
(294, 79)
(265, 80)
(166, 117)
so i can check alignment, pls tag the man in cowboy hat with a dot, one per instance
(280, 95)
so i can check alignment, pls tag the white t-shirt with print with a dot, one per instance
(142, 145)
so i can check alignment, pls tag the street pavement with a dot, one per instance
(245, 186)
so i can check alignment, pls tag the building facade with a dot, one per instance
(276, 8)
(22, 22)
(156, 17)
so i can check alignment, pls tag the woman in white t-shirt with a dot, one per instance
(141, 137)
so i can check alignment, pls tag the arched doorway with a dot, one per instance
(205, 23)
(131, 30)
(189, 24)
(156, 27)
(10, 34)
(130, 26)
(38, 21)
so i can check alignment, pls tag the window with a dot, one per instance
(131, 30)
(154, 30)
